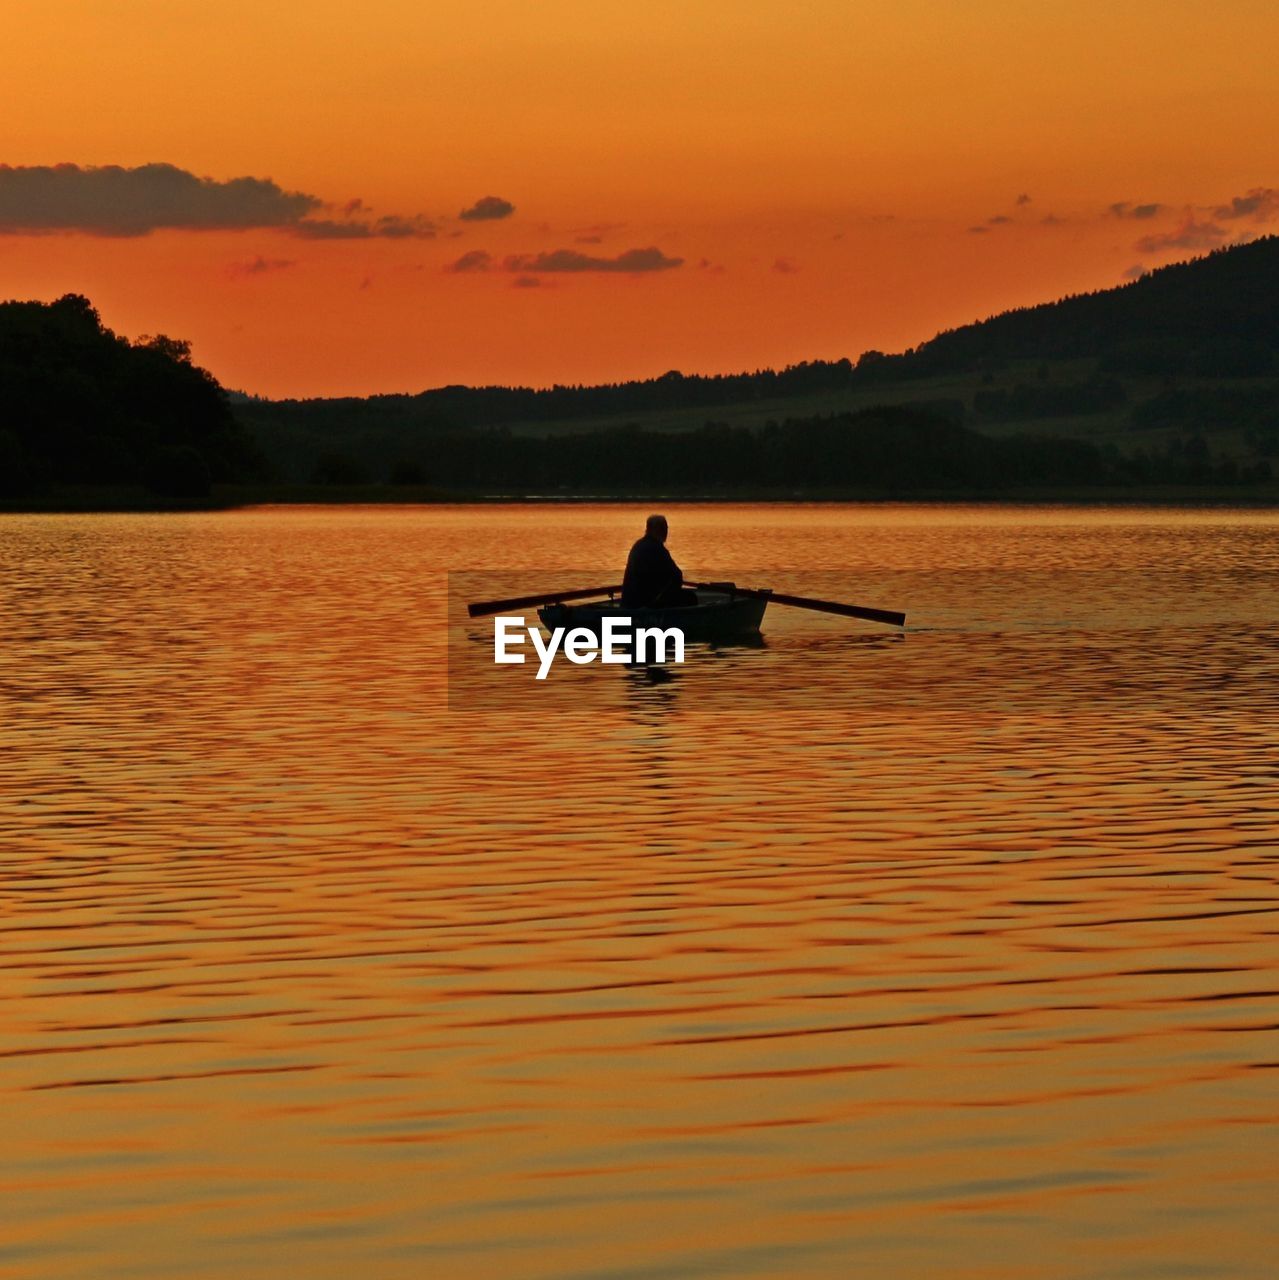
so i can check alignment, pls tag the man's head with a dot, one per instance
(655, 527)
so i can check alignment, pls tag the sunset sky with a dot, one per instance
(579, 192)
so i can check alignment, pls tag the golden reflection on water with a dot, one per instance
(859, 954)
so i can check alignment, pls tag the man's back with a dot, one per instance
(651, 573)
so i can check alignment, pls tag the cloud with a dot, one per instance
(1261, 204)
(259, 266)
(588, 239)
(487, 209)
(476, 260)
(1022, 199)
(784, 266)
(632, 262)
(527, 282)
(1123, 209)
(114, 201)
(1191, 234)
(390, 227)
(1136, 271)
(978, 231)
(110, 200)
(998, 220)
(397, 227)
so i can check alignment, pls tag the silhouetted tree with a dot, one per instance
(13, 468)
(178, 472)
(88, 407)
(405, 472)
(339, 468)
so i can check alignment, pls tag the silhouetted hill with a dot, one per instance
(1097, 365)
(1172, 379)
(81, 406)
(448, 408)
(884, 450)
(1216, 316)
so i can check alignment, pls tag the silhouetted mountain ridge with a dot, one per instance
(1216, 315)
(1212, 316)
(1120, 386)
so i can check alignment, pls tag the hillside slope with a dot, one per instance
(1216, 316)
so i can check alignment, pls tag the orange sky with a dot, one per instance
(816, 167)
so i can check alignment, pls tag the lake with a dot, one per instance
(952, 951)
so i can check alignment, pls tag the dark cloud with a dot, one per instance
(487, 209)
(109, 200)
(1122, 209)
(1136, 271)
(259, 266)
(632, 262)
(390, 227)
(328, 229)
(476, 260)
(588, 239)
(978, 231)
(113, 201)
(1191, 234)
(1051, 220)
(526, 282)
(784, 266)
(397, 227)
(998, 220)
(1022, 199)
(1260, 204)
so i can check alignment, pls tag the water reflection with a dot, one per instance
(854, 953)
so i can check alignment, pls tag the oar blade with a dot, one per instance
(889, 616)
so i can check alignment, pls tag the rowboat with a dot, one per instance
(719, 614)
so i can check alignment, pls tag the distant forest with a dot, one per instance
(893, 449)
(1171, 379)
(1183, 337)
(447, 408)
(81, 406)
(1214, 317)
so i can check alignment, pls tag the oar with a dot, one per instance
(481, 607)
(819, 606)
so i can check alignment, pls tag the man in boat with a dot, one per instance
(653, 580)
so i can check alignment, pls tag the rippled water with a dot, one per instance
(860, 954)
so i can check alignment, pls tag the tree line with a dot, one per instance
(81, 406)
(892, 449)
(1215, 316)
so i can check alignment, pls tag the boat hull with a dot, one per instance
(717, 615)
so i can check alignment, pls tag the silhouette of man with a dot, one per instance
(652, 578)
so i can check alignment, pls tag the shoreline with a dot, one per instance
(110, 500)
